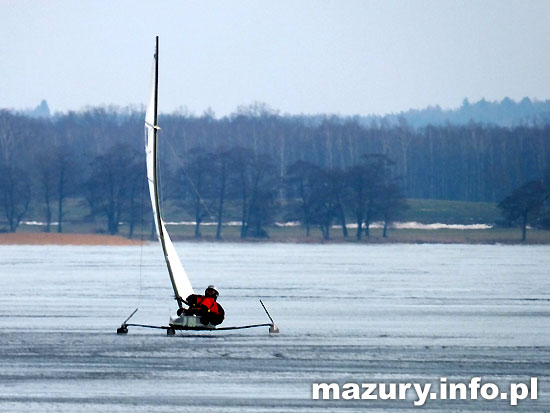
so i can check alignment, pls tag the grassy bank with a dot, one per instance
(451, 212)
(42, 238)
(77, 235)
(446, 236)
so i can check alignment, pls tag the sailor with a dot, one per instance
(206, 306)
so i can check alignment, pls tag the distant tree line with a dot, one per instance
(506, 113)
(265, 160)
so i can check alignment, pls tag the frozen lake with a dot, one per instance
(347, 313)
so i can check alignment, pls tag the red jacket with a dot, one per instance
(200, 303)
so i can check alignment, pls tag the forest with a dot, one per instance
(316, 170)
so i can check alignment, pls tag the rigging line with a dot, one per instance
(182, 163)
(201, 199)
(142, 234)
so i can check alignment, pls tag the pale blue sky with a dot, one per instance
(344, 57)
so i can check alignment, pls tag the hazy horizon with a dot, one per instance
(313, 57)
(265, 105)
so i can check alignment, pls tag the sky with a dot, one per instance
(342, 57)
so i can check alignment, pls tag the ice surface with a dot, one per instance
(347, 313)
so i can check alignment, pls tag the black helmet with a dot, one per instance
(211, 292)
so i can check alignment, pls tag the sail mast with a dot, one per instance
(178, 278)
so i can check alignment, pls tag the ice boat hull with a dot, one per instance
(189, 322)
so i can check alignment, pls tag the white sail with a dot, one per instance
(180, 281)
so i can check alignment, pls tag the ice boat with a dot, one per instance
(178, 277)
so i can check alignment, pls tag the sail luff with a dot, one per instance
(160, 226)
(180, 282)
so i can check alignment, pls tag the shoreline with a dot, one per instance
(405, 237)
(49, 238)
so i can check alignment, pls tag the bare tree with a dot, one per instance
(8, 135)
(221, 173)
(358, 178)
(197, 177)
(368, 183)
(138, 201)
(110, 185)
(263, 179)
(46, 184)
(15, 195)
(523, 205)
(57, 174)
(65, 170)
(391, 203)
(339, 191)
(240, 164)
(301, 178)
(324, 202)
